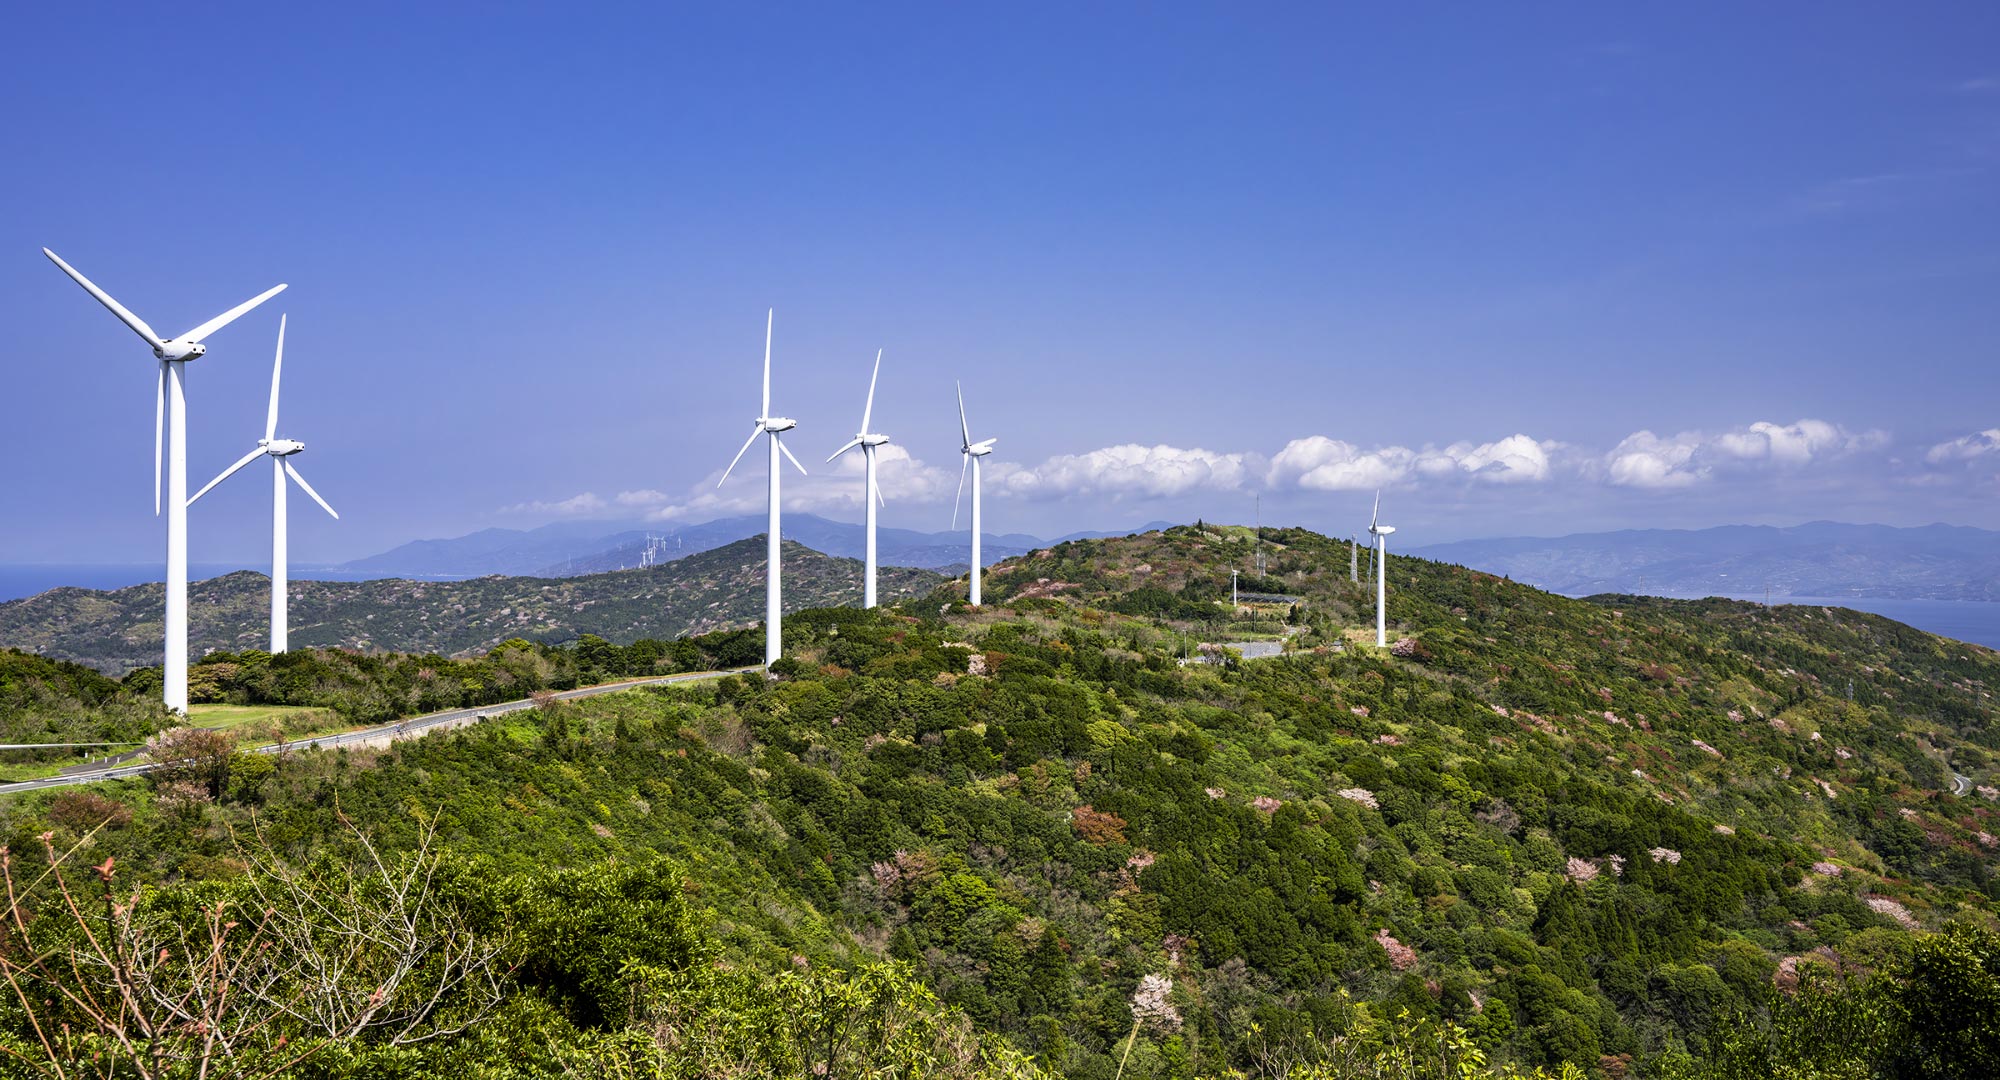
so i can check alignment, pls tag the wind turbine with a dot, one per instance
(973, 451)
(170, 426)
(280, 452)
(766, 424)
(871, 495)
(1381, 534)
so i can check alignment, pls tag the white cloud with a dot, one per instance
(835, 486)
(584, 505)
(1322, 464)
(1642, 460)
(1128, 470)
(1971, 447)
(1646, 460)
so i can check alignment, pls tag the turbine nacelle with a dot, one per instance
(180, 350)
(871, 440)
(281, 447)
(775, 424)
(1381, 530)
(979, 449)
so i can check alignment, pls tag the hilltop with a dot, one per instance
(1582, 831)
(116, 631)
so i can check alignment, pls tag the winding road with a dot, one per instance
(380, 734)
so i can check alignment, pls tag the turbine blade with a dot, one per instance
(739, 455)
(230, 316)
(868, 411)
(301, 481)
(879, 500)
(226, 474)
(137, 324)
(964, 428)
(788, 453)
(964, 463)
(770, 317)
(1375, 515)
(851, 444)
(159, 431)
(271, 418)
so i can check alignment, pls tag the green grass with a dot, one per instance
(258, 723)
(229, 716)
(35, 770)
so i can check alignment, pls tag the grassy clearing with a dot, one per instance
(267, 723)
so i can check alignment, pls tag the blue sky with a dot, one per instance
(1533, 269)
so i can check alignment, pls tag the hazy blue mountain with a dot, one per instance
(570, 548)
(495, 551)
(1823, 558)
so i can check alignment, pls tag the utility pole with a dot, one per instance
(1233, 602)
(1353, 561)
(1257, 544)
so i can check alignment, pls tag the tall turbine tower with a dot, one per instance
(871, 495)
(1381, 534)
(170, 425)
(280, 452)
(766, 424)
(973, 451)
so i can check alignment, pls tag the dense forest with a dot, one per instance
(1618, 838)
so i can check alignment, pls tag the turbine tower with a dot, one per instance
(766, 424)
(973, 451)
(170, 426)
(871, 495)
(280, 452)
(1381, 534)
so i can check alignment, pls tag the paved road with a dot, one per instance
(1960, 784)
(400, 729)
(1256, 650)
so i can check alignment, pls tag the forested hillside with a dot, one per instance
(119, 630)
(1632, 837)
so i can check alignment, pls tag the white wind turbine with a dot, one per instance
(973, 451)
(279, 451)
(766, 424)
(871, 495)
(1381, 534)
(170, 426)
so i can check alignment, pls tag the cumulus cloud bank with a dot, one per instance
(1967, 448)
(1119, 471)
(1642, 460)
(1646, 460)
(1321, 464)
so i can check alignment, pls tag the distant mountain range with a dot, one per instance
(1823, 558)
(570, 548)
(118, 630)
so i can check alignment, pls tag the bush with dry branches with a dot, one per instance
(247, 979)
